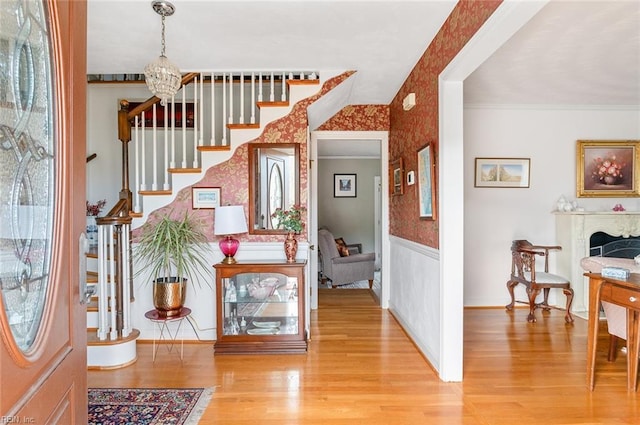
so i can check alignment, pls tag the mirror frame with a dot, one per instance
(253, 164)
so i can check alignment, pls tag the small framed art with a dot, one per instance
(344, 186)
(502, 172)
(397, 177)
(205, 197)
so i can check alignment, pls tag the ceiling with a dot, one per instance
(571, 53)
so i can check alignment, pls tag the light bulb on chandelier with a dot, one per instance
(163, 77)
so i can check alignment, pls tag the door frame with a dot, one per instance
(318, 137)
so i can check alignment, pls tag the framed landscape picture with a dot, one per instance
(205, 197)
(502, 172)
(607, 168)
(426, 183)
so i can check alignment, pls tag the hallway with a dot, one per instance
(362, 369)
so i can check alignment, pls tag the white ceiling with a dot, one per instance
(574, 52)
(570, 53)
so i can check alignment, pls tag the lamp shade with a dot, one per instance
(230, 220)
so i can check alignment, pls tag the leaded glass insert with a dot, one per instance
(27, 165)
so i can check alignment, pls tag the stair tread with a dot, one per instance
(92, 338)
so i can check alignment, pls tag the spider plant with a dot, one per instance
(174, 248)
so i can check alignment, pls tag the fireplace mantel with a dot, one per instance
(573, 231)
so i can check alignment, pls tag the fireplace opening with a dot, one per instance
(602, 244)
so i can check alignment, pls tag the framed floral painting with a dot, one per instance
(608, 168)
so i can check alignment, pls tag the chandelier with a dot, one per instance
(162, 77)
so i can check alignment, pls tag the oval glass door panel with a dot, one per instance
(27, 167)
(275, 191)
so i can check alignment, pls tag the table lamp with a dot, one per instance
(229, 220)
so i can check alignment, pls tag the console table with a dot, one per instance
(260, 307)
(625, 293)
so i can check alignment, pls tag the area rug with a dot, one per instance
(147, 406)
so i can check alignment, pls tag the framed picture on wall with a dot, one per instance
(426, 183)
(502, 172)
(344, 186)
(396, 177)
(608, 168)
(205, 197)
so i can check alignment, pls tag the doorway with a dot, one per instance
(341, 152)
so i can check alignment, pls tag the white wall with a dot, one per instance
(104, 173)
(349, 218)
(496, 216)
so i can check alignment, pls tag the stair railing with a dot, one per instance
(114, 273)
(170, 139)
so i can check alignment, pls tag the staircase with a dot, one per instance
(182, 150)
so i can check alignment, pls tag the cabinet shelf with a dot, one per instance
(260, 308)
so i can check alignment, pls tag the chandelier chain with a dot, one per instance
(163, 42)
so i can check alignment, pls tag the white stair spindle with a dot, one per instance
(113, 301)
(241, 118)
(143, 155)
(184, 128)
(136, 164)
(201, 111)
(103, 296)
(172, 163)
(224, 109)
(272, 87)
(253, 98)
(165, 183)
(283, 88)
(260, 87)
(230, 120)
(195, 122)
(213, 110)
(126, 288)
(154, 159)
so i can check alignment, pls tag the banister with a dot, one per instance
(147, 104)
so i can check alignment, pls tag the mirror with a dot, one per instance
(273, 183)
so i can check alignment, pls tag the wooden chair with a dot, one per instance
(523, 270)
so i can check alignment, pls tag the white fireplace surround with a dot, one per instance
(573, 231)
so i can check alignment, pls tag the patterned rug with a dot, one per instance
(149, 406)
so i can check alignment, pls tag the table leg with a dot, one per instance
(592, 335)
(633, 346)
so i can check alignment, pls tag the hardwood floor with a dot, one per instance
(362, 369)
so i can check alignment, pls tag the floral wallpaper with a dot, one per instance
(232, 176)
(412, 130)
(359, 118)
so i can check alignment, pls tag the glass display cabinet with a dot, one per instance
(260, 307)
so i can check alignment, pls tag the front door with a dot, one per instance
(42, 187)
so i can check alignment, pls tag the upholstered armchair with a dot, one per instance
(341, 270)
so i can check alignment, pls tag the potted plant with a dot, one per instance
(291, 221)
(174, 251)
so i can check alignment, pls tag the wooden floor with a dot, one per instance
(362, 369)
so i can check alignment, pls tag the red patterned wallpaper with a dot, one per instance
(359, 118)
(232, 176)
(411, 130)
